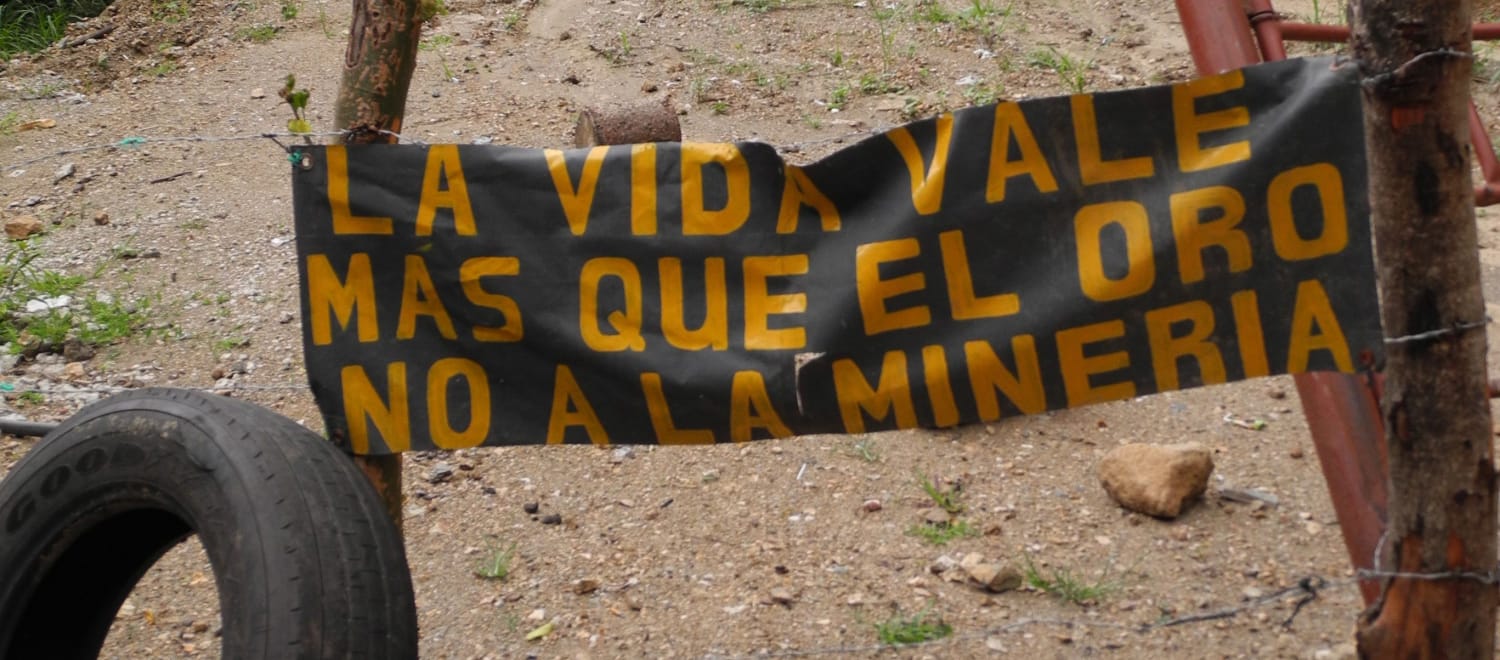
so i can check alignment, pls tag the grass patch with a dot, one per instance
(942, 533)
(1065, 586)
(258, 34)
(1072, 72)
(866, 450)
(496, 562)
(900, 630)
(96, 320)
(162, 68)
(27, 26)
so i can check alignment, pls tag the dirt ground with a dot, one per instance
(766, 549)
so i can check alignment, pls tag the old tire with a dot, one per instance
(306, 562)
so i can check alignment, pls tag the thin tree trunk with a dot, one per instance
(1414, 56)
(378, 65)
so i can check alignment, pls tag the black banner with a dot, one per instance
(995, 261)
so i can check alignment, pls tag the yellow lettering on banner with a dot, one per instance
(1290, 245)
(571, 408)
(667, 432)
(1314, 313)
(443, 163)
(1193, 235)
(939, 388)
(799, 192)
(698, 220)
(1077, 368)
(1010, 122)
(926, 180)
(1252, 338)
(855, 395)
(1167, 349)
(873, 291)
(965, 306)
(750, 408)
(1089, 226)
(469, 276)
(354, 297)
(1092, 168)
(987, 373)
(714, 333)
(576, 200)
(626, 323)
(643, 189)
(1190, 125)
(419, 297)
(344, 220)
(364, 406)
(760, 305)
(442, 373)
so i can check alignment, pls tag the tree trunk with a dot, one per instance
(378, 65)
(1415, 58)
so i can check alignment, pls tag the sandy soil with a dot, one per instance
(683, 548)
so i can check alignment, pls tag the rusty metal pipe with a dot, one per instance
(1218, 35)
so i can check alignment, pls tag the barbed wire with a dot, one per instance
(1306, 590)
(276, 138)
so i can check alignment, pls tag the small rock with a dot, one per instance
(942, 564)
(1157, 480)
(936, 517)
(531, 508)
(258, 93)
(67, 170)
(648, 87)
(621, 454)
(994, 578)
(22, 226)
(74, 350)
(217, 374)
(101, 218)
(537, 615)
(782, 596)
(855, 599)
(440, 473)
(74, 372)
(585, 586)
(871, 506)
(1296, 452)
(1252, 593)
(552, 519)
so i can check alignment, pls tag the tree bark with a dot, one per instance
(378, 65)
(1414, 56)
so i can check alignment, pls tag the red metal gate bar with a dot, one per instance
(1272, 32)
(1343, 413)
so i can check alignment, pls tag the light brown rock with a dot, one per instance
(995, 578)
(22, 226)
(1157, 480)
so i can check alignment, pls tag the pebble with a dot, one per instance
(531, 508)
(621, 454)
(871, 506)
(552, 519)
(782, 596)
(440, 473)
(585, 586)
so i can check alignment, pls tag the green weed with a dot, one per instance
(162, 68)
(947, 499)
(866, 450)
(31, 398)
(1062, 584)
(435, 42)
(258, 34)
(719, 107)
(170, 11)
(496, 562)
(839, 97)
(915, 629)
(289, 10)
(1072, 72)
(430, 9)
(9, 122)
(96, 320)
(942, 533)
